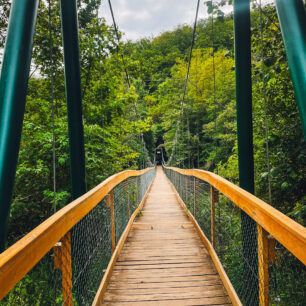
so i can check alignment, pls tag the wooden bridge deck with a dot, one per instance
(163, 261)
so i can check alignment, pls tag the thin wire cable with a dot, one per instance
(118, 40)
(214, 66)
(52, 106)
(198, 92)
(145, 150)
(265, 104)
(190, 53)
(198, 146)
(266, 15)
(186, 80)
(100, 77)
(214, 78)
(188, 135)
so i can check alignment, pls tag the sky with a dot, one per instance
(146, 18)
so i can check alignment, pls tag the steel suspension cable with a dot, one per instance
(265, 104)
(214, 66)
(186, 81)
(145, 150)
(197, 117)
(52, 105)
(100, 77)
(118, 40)
(214, 79)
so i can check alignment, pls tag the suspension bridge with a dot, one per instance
(161, 235)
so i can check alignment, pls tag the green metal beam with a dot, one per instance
(13, 90)
(244, 93)
(73, 96)
(292, 18)
(245, 142)
(76, 134)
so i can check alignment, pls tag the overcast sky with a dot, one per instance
(142, 18)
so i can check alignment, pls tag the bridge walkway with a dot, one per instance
(163, 261)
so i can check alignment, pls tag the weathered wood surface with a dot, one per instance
(163, 261)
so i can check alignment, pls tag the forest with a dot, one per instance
(134, 103)
(116, 113)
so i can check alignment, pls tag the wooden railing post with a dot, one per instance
(213, 200)
(195, 197)
(136, 189)
(110, 203)
(181, 186)
(126, 186)
(62, 261)
(263, 266)
(187, 189)
(67, 270)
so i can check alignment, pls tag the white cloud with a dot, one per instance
(140, 18)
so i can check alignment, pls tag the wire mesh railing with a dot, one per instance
(261, 270)
(71, 271)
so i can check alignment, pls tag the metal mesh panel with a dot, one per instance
(72, 271)
(287, 278)
(91, 252)
(41, 281)
(121, 209)
(230, 251)
(261, 270)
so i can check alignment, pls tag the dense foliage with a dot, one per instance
(115, 115)
(207, 132)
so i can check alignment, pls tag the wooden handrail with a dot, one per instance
(21, 257)
(289, 233)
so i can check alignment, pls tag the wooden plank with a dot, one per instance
(20, 258)
(288, 232)
(106, 277)
(164, 272)
(155, 236)
(164, 225)
(166, 258)
(167, 266)
(166, 279)
(214, 290)
(163, 296)
(163, 260)
(225, 280)
(167, 284)
(173, 244)
(177, 302)
(156, 254)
